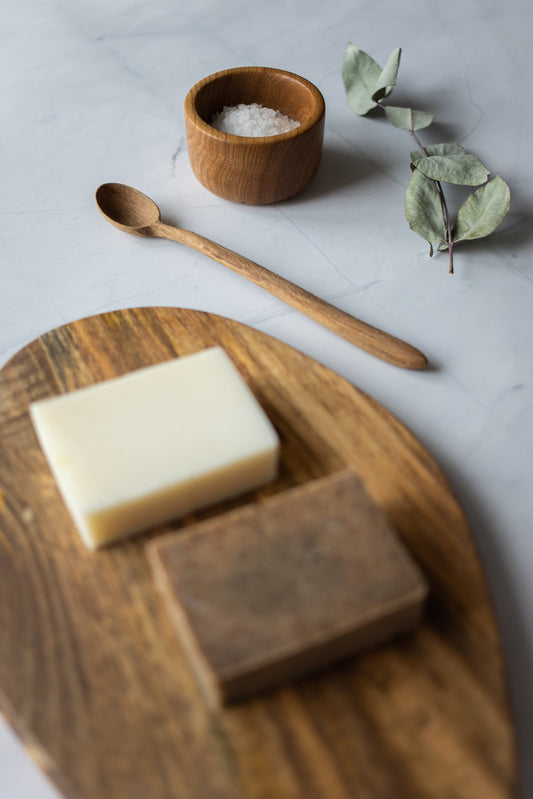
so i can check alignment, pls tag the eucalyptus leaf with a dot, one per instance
(450, 164)
(360, 74)
(423, 208)
(387, 80)
(438, 149)
(483, 211)
(426, 210)
(407, 119)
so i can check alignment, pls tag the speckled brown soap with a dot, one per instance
(270, 591)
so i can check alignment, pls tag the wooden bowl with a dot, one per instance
(248, 169)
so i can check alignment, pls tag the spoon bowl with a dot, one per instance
(133, 212)
(127, 208)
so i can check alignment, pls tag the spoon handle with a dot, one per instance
(366, 337)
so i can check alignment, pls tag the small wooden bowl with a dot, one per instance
(247, 169)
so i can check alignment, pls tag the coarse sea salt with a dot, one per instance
(252, 120)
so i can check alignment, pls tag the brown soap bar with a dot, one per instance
(274, 589)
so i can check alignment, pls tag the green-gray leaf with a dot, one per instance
(423, 208)
(483, 211)
(387, 80)
(360, 74)
(450, 164)
(437, 149)
(407, 119)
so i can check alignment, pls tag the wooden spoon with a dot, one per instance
(135, 213)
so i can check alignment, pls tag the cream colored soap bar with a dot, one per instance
(155, 444)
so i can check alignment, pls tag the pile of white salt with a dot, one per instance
(252, 120)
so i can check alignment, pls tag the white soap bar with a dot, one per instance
(150, 446)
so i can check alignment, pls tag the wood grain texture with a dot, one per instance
(92, 675)
(133, 212)
(255, 170)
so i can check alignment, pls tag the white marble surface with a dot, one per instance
(92, 91)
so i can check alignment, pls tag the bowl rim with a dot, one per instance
(194, 117)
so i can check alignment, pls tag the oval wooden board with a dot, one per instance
(91, 673)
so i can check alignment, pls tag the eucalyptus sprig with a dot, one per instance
(367, 85)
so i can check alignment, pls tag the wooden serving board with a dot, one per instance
(92, 676)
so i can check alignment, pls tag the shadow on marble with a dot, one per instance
(341, 167)
(338, 170)
(515, 234)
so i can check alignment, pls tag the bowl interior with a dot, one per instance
(271, 88)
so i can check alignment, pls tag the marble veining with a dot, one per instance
(93, 91)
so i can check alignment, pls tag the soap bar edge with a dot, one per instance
(282, 664)
(82, 514)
